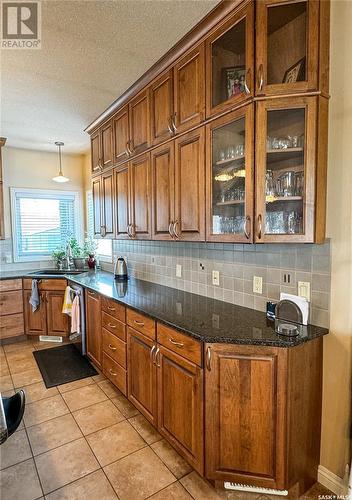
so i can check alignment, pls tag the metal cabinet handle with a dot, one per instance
(139, 323)
(261, 76)
(112, 373)
(170, 126)
(173, 121)
(151, 354)
(177, 344)
(128, 231)
(208, 358)
(103, 231)
(247, 222)
(111, 308)
(174, 228)
(133, 230)
(259, 226)
(111, 325)
(92, 294)
(131, 147)
(247, 79)
(127, 150)
(156, 358)
(171, 229)
(112, 347)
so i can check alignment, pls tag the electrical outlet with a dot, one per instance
(304, 289)
(215, 278)
(257, 284)
(179, 308)
(178, 271)
(215, 321)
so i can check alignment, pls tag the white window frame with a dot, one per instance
(50, 193)
(102, 258)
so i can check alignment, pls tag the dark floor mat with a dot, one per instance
(60, 365)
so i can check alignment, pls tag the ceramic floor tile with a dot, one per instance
(15, 449)
(125, 406)
(27, 377)
(115, 442)
(139, 475)
(97, 417)
(45, 409)
(20, 482)
(77, 384)
(173, 492)
(26, 345)
(178, 466)
(92, 487)
(6, 383)
(198, 487)
(38, 391)
(65, 464)
(86, 396)
(98, 378)
(145, 429)
(21, 361)
(4, 369)
(110, 390)
(53, 433)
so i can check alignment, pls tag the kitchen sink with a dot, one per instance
(55, 272)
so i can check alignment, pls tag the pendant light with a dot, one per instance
(60, 177)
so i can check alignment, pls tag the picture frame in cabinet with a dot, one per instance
(234, 80)
(296, 72)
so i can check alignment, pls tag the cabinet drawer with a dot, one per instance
(11, 326)
(116, 310)
(11, 302)
(46, 284)
(141, 323)
(115, 373)
(6, 285)
(114, 347)
(180, 343)
(113, 325)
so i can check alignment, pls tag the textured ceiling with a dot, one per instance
(92, 51)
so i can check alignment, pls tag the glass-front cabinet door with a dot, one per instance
(229, 64)
(230, 177)
(287, 46)
(285, 169)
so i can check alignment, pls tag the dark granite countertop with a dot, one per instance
(203, 318)
(11, 275)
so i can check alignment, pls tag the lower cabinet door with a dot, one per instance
(115, 373)
(57, 322)
(93, 327)
(243, 415)
(142, 374)
(180, 405)
(35, 322)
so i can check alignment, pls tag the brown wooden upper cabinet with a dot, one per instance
(229, 180)
(177, 98)
(102, 148)
(287, 46)
(189, 223)
(230, 62)
(121, 135)
(139, 123)
(286, 170)
(103, 205)
(133, 199)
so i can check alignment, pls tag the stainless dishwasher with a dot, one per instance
(79, 339)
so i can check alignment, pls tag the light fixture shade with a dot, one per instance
(60, 178)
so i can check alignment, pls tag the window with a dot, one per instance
(42, 221)
(104, 249)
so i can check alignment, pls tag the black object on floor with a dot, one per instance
(60, 365)
(13, 413)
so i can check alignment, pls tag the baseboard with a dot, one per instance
(331, 481)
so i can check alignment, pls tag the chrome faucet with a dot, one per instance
(68, 258)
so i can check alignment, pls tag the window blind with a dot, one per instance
(43, 222)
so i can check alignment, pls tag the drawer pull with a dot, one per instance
(151, 354)
(112, 373)
(156, 358)
(177, 344)
(111, 308)
(111, 325)
(92, 294)
(139, 323)
(208, 359)
(112, 347)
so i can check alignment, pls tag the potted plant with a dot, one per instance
(90, 247)
(78, 255)
(58, 255)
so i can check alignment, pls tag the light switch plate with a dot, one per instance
(216, 278)
(304, 290)
(257, 284)
(178, 271)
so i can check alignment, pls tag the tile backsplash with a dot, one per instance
(237, 264)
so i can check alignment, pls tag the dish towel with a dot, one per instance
(34, 299)
(75, 316)
(67, 304)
